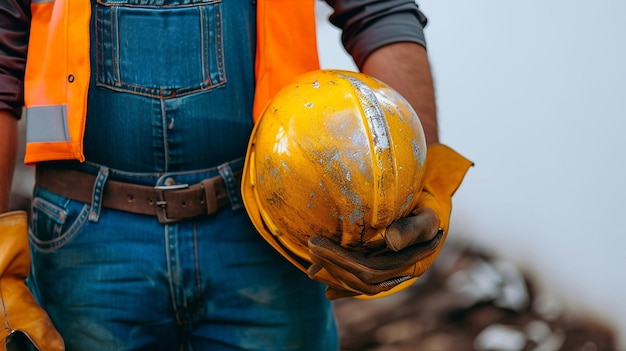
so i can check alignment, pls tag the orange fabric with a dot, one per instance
(286, 46)
(57, 70)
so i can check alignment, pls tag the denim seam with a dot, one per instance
(231, 186)
(96, 197)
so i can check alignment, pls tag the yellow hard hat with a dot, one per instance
(338, 154)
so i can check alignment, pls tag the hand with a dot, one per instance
(18, 307)
(410, 242)
(413, 242)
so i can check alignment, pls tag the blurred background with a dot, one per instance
(532, 92)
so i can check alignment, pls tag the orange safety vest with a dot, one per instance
(58, 68)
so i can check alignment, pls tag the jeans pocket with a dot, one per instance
(55, 220)
(159, 48)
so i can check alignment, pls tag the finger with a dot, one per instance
(326, 272)
(321, 275)
(366, 281)
(334, 294)
(408, 231)
(334, 288)
(326, 253)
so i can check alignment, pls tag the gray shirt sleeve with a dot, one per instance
(14, 29)
(370, 24)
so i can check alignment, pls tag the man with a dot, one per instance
(138, 114)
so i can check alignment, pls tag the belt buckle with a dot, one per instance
(161, 203)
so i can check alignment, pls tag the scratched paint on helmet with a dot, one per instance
(340, 161)
(358, 151)
(378, 128)
(281, 145)
(373, 112)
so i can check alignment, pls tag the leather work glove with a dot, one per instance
(18, 309)
(412, 243)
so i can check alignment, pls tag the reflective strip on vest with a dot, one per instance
(57, 74)
(47, 124)
(56, 80)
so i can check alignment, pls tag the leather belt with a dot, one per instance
(169, 203)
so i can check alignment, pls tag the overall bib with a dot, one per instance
(170, 103)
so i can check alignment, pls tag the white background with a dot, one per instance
(533, 93)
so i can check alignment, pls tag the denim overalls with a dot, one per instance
(170, 103)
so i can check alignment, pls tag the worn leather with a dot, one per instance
(413, 242)
(19, 312)
(169, 205)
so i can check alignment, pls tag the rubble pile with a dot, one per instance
(468, 301)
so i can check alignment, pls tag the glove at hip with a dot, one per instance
(413, 242)
(19, 310)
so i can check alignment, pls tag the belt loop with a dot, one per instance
(232, 187)
(96, 196)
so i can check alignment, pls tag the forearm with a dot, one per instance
(386, 41)
(405, 67)
(15, 18)
(8, 155)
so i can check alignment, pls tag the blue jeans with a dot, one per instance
(121, 281)
(162, 111)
